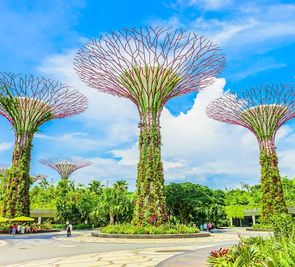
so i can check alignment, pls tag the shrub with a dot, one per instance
(149, 229)
(81, 226)
(263, 226)
(59, 226)
(278, 250)
(4, 227)
(46, 224)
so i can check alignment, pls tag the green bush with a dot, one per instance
(47, 224)
(149, 229)
(81, 226)
(263, 226)
(4, 227)
(278, 250)
(59, 226)
(283, 225)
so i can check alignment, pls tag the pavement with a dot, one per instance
(83, 250)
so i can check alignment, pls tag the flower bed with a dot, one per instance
(149, 229)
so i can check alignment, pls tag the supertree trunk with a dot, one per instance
(150, 200)
(17, 201)
(273, 201)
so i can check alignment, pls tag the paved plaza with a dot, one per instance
(84, 250)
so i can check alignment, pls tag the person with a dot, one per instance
(10, 229)
(13, 229)
(18, 229)
(69, 230)
(205, 226)
(201, 227)
(209, 226)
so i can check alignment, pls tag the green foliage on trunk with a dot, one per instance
(17, 202)
(150, 199)
(273, 201)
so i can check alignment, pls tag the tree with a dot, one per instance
(194, 203)
(65, 167)
(121, 185)
(149, 66)
(95, 187)
(28, 102)
(114, 205)
(262, 110)
(43, 195)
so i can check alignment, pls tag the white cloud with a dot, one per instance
(204, 4)
(6, 146)
(250, 24)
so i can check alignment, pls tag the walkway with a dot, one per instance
(83, 250)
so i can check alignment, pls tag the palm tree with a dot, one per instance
(121, 185)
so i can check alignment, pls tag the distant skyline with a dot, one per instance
(257, 38)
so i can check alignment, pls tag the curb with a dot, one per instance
(258, 230)
(190, 258)
(149, 236)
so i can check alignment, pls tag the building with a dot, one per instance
(251, 217)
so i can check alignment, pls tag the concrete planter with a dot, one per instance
(38, 232)
(148, 236)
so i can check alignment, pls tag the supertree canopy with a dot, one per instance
(262, 110)
(149, 66)
(28, 102)
(65, 167)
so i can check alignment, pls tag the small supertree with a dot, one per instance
(262, 110)
(38, 177)
(28, 102)
(65, 167)
(149, 66)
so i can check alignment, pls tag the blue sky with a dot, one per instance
(257, 37)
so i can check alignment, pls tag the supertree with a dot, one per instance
(149, 66)
(262, 110)
(38, 177)
(28, 102)
(65, 167)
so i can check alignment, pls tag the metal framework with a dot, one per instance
(172, 63)
(65, 167)
(262, 110)
(38, 177)
(35, 98)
